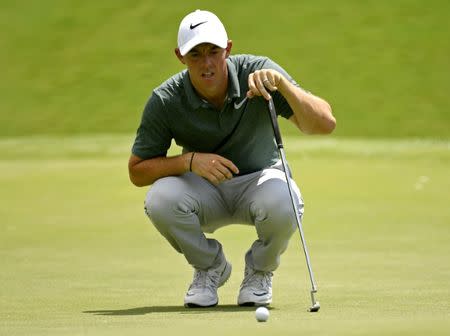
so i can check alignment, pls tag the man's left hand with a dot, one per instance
(262, 81)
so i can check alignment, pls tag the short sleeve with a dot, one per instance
(281, 103)
(153, 136)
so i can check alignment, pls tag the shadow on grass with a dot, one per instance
(170, 309)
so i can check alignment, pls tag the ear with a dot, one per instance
(228, 48)
(179, 56)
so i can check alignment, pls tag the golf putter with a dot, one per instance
(276, 130)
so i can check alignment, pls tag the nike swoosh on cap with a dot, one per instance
(196, 25)
(238, 105)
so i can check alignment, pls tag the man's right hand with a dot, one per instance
(213, 167)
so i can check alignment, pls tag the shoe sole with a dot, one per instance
(193, 305)
(254, 304)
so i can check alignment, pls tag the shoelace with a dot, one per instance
(257, 279)
(202, 279)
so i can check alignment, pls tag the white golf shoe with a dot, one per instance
(256, 288)
(203, 290)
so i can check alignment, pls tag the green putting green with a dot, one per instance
(79, 257)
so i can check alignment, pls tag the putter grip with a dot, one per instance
(276, 128)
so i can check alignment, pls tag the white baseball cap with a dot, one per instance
(201, 27)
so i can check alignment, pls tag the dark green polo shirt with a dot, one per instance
(240, 132)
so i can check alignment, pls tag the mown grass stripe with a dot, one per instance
(120, 145)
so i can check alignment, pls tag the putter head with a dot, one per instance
(315, 307)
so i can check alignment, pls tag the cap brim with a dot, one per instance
(184, 49)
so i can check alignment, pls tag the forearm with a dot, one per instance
(312, 114)
(146, 172)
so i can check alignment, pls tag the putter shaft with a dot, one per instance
(273, 117)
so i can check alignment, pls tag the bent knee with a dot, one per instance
(166, 196)
(277, 209)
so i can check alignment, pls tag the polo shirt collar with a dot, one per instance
(193, 99)
(234, 90)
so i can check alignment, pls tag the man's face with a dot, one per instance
(207, 67)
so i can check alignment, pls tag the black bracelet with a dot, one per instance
(190, 163)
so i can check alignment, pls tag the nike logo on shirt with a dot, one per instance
(196, 25)
(237, 106)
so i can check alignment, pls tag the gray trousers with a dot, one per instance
(183, 208)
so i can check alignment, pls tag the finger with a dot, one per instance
(230, 166)
(256, 88)
(252, 89)
(220, 171)
(270, 83)
(261, 88)
(222, 168)
(212, 178)
(226, 173)
(217, 176)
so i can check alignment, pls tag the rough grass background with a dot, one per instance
(89, 66)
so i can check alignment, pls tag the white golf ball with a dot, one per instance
(262, 314)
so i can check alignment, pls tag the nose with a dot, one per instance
(207, 60)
